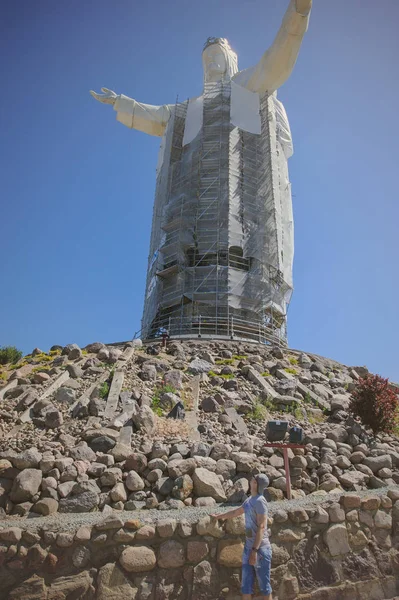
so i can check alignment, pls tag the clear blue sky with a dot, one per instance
(77, 187)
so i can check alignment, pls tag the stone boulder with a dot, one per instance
(137, 559)
(28, 459)
(207, 483)
(198, 366)
(375, 463)
(336, 539)
(26, 485)
(144, 420)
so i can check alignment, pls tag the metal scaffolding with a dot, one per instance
(215, 263)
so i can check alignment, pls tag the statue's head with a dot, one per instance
(219, 60)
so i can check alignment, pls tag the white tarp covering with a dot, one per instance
(194, 119)
(283, 128)
(244, 109)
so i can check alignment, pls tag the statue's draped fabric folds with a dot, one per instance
(221, 250)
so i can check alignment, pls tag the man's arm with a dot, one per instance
(278, 61)
(136, 115)
(229, 515)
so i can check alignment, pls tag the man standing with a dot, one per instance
(257, 556)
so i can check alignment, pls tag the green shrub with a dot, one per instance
(42, 368)
(298, 414)
(156, 406)
(227, 376)
(316, 419)
(265, 374)
(224, 361)
(292, 371)
(258, 413)
(3, 376)
(156, 399)
(212, 374)
(307, 398)
(239, 357)
(293, 360)
(104, 390)
(9, 354)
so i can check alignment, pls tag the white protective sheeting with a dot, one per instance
(194, 119)
(283, 128)
(244, 109)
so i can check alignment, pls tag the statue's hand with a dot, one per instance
(303, 7)
(108, 97)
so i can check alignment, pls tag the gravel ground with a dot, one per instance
(70, 522)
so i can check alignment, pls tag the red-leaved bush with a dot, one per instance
(375, 404)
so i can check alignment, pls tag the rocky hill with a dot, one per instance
(86, 429)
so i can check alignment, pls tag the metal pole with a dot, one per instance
(287, 472)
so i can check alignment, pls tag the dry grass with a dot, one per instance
(171, 428)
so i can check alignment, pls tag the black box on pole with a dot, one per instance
(276, 431)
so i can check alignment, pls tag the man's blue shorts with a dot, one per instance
(261, 570)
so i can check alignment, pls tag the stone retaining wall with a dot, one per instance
(333, 551)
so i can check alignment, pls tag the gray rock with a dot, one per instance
(102, 444)
(26, 485)
(168, 400)
(198, 366)
(82, 452)
(75, 353)
(304, 361)
(375, 463)
(74, 371)
(27, 399)
(207, 483)
(114, 355)
(53, 418)
(148, 372)
(29, 459)
(174, 378)
(144, 419)
(133, 482)
(210, 405)
(226, 468)
(177, 468)
(200, 449)
(16, 391)
(81, 557)
(81, 503)
(95, 347)
(65, 395)
(239, 491)
(164, 486)
(338, 434)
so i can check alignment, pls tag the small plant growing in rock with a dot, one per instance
(266, 374)
(9, 354)
(293, 360)
(3, 376)
(292, 371)
(298, 414)
(156, 406)
(258, 413)
(239, 357)
(375, 404)
(224, 361)
(307, 398)
(104, 390)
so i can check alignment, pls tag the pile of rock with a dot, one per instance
(75, 445)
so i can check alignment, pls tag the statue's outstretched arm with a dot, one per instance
(278, 61)
(144, 117)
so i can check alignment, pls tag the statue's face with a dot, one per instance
(214, 62)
